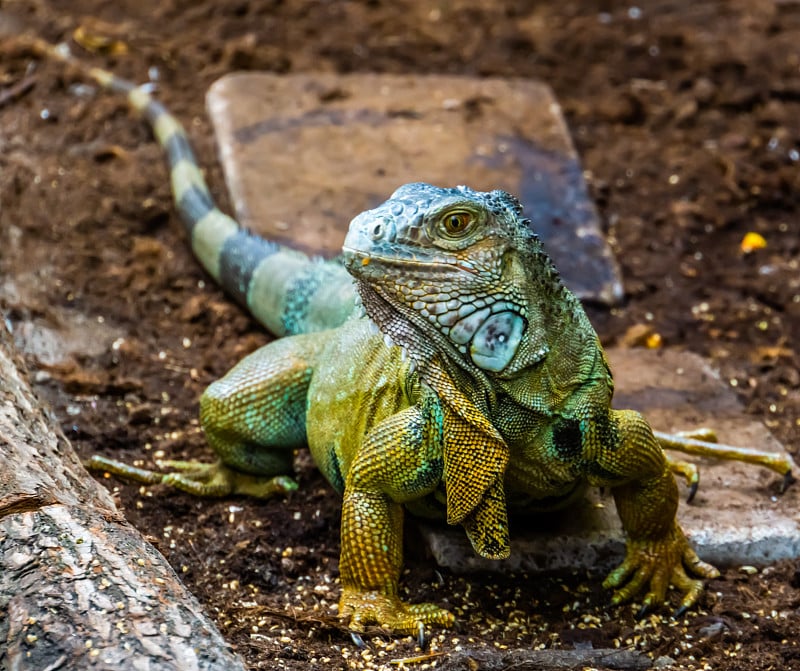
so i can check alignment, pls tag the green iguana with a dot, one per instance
(474, 385)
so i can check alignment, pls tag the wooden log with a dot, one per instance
(79, 587)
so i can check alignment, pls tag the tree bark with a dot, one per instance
(79, 587)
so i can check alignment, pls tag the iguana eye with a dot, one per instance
(457, 223)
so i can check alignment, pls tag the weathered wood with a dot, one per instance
(79, 587)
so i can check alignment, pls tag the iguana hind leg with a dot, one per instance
(688, 471)
(212, 479)
(703, 442)
(253, 418)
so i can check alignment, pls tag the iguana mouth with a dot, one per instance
(356, 260)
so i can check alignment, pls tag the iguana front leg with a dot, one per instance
(657, 551)
(400, 460)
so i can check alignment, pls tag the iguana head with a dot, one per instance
(455, 272)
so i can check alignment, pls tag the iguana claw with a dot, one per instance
(421, 640)
(680, 612)
(357, 640)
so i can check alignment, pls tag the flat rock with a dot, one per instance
(737, 517)
(303, 154)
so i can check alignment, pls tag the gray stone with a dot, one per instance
(303, 154)
(737, 517)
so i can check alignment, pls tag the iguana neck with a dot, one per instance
(555, 320)
(559, 350)
(432, 354)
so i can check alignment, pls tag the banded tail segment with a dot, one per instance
(285, 290)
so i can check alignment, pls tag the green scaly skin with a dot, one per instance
(504, 401)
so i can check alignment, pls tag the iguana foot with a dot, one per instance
(373, 607)
(655, 564)
(197, 478)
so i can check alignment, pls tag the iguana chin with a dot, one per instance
(504, 402)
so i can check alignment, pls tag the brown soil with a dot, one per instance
(685, 114)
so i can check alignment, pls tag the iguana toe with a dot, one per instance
(217, 480)
(688, 471)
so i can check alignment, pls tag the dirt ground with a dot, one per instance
(685, 114)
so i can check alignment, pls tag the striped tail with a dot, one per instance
(284, 289)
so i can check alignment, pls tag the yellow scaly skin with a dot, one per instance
(510, 406)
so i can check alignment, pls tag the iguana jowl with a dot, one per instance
(504, 402)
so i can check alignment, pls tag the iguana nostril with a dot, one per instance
(382, 229)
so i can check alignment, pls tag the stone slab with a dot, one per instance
(303, 154)
(737, 517)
